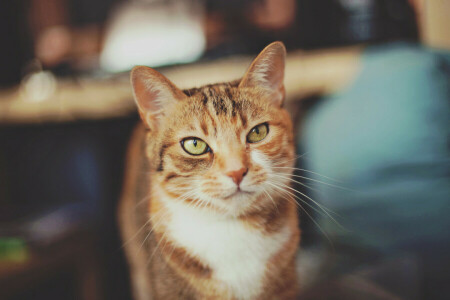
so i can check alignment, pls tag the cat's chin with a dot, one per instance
(238, 202)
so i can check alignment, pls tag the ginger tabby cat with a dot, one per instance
(204, 212)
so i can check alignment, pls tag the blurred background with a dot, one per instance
(368, 87)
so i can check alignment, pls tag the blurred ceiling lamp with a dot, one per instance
(153, 33)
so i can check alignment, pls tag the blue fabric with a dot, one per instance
(387, 139)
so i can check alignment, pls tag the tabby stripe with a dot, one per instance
(243, 118)
(186, 164)
(213, 122)
(161, 157)
(171, 176)
(204, 98)
(204, 127)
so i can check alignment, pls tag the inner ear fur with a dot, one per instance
(152, 92)
(267, 72)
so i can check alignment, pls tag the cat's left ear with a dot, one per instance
(152, 93)
(267, 72)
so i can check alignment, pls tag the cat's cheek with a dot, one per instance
(256, 182)
(260, 160)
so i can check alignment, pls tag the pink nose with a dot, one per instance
(237, 175)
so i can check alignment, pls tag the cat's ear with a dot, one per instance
(267, 72)
(152, 91)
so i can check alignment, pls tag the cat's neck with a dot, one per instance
(220, 241)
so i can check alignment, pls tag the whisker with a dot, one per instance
(157, 246)
(309, 198)
(151, 230)
(297, 197)
(288, 177)
(150, 219)
(312, 219)
(320, 228)
(322, 182)
(324, 209)
(135, 235)
(309, 171)
(289, 160)
(142, 201)
(285, 176)
(273, 201)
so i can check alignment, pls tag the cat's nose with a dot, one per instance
(237, 175)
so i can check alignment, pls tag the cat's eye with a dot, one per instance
(194, 146)
(258, 133)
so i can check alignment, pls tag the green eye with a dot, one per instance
(258, 133)
(194, 146)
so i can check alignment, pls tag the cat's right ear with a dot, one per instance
(152, 91)
(267, 72)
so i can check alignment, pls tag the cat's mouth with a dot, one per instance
(237, 192)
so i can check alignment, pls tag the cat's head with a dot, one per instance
(229, 145)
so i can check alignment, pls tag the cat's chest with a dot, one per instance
(237, 253)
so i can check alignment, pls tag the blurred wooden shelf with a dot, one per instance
(307, 73)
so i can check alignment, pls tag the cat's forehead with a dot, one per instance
(226, 102)
(221, 111)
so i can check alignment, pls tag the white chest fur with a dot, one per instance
(236, 253)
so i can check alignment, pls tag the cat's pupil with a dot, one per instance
(257, 130)
(195, 143)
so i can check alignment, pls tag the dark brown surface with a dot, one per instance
(75, 255)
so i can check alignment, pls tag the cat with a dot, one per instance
(204, 212)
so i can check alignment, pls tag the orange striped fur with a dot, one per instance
(218, 225)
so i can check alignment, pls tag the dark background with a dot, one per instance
(74, 170)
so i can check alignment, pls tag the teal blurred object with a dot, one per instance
(386, 137)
